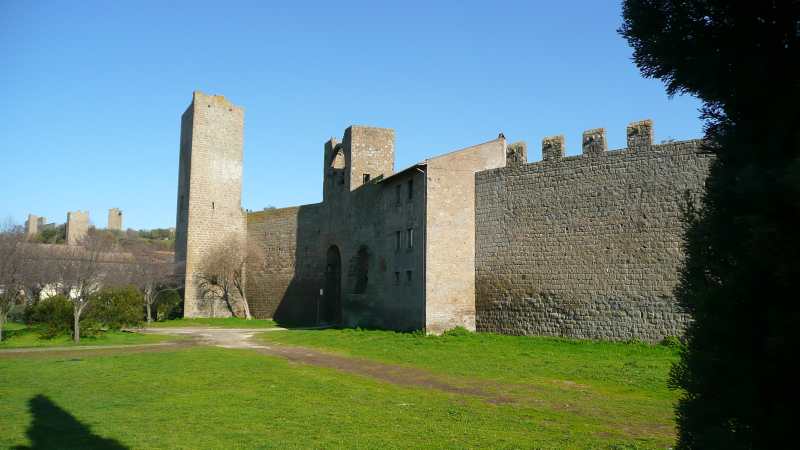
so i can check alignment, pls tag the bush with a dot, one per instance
(116, 308)
(54, 313)
(169, 306)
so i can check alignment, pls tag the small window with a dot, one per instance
(366, 178)
(410, 232)
(397, 278)
(408, 276)
(410, 189)
(398, 240)
(397, 194)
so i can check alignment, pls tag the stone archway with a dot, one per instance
(331, 308)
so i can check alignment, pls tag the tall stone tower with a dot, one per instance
(34, 225)
(77, 226)
(114, 219)
(209, 192)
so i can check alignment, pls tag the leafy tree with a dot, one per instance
(116, 308)
(742, 244)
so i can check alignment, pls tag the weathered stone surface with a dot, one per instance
(586, 247)
(209, 191)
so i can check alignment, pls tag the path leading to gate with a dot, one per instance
(395, 374)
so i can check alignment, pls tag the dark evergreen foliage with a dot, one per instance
(743, 243)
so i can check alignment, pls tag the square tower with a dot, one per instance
(209, 191)
(114, 219)
(77, 226)
(365, 154)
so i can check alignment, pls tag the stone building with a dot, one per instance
(585, 246)
(77, 226)
(34, 225)
(114, 219)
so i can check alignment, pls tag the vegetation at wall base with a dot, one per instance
(739, 282)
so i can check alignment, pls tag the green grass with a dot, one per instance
(230, 322)
(205, 397)
(625, 384)
(16, 335)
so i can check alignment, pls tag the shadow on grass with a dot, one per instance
(52, 427)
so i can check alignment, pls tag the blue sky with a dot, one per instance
(93, 91)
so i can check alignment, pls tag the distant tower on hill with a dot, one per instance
(114, 219)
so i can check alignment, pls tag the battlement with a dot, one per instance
(594, 143)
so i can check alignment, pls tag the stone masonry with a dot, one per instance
(585, 246)
(209, 192)
(77, 226)
(114, 219)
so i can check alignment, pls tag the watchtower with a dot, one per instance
(209, 191)
(365, 154)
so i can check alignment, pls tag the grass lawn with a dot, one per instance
(16, 335)
(230, 322)
(564, 394)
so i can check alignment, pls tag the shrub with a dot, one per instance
(116, 308)
(54, 313)
(169, 306)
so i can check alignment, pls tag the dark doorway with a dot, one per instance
(331, 308)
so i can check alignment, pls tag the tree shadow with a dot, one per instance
(53, 427)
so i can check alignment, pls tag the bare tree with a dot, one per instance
(152, 272)
(222, 275)
(12, 270)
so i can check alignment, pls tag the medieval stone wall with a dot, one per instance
(587, 246)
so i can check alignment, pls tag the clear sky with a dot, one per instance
(92, 92)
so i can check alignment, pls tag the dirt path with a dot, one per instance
(395, 374)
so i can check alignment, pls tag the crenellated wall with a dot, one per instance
(586, 246)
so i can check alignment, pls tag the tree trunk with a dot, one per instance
(148, 312)
(246, 307)
(77, 326)
(2, 324)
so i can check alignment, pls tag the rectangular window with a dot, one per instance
(397, 194)
(410, 232)
(366, 178)
(410, 189)
(408, 276)
(398, 239)
(397, 278)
